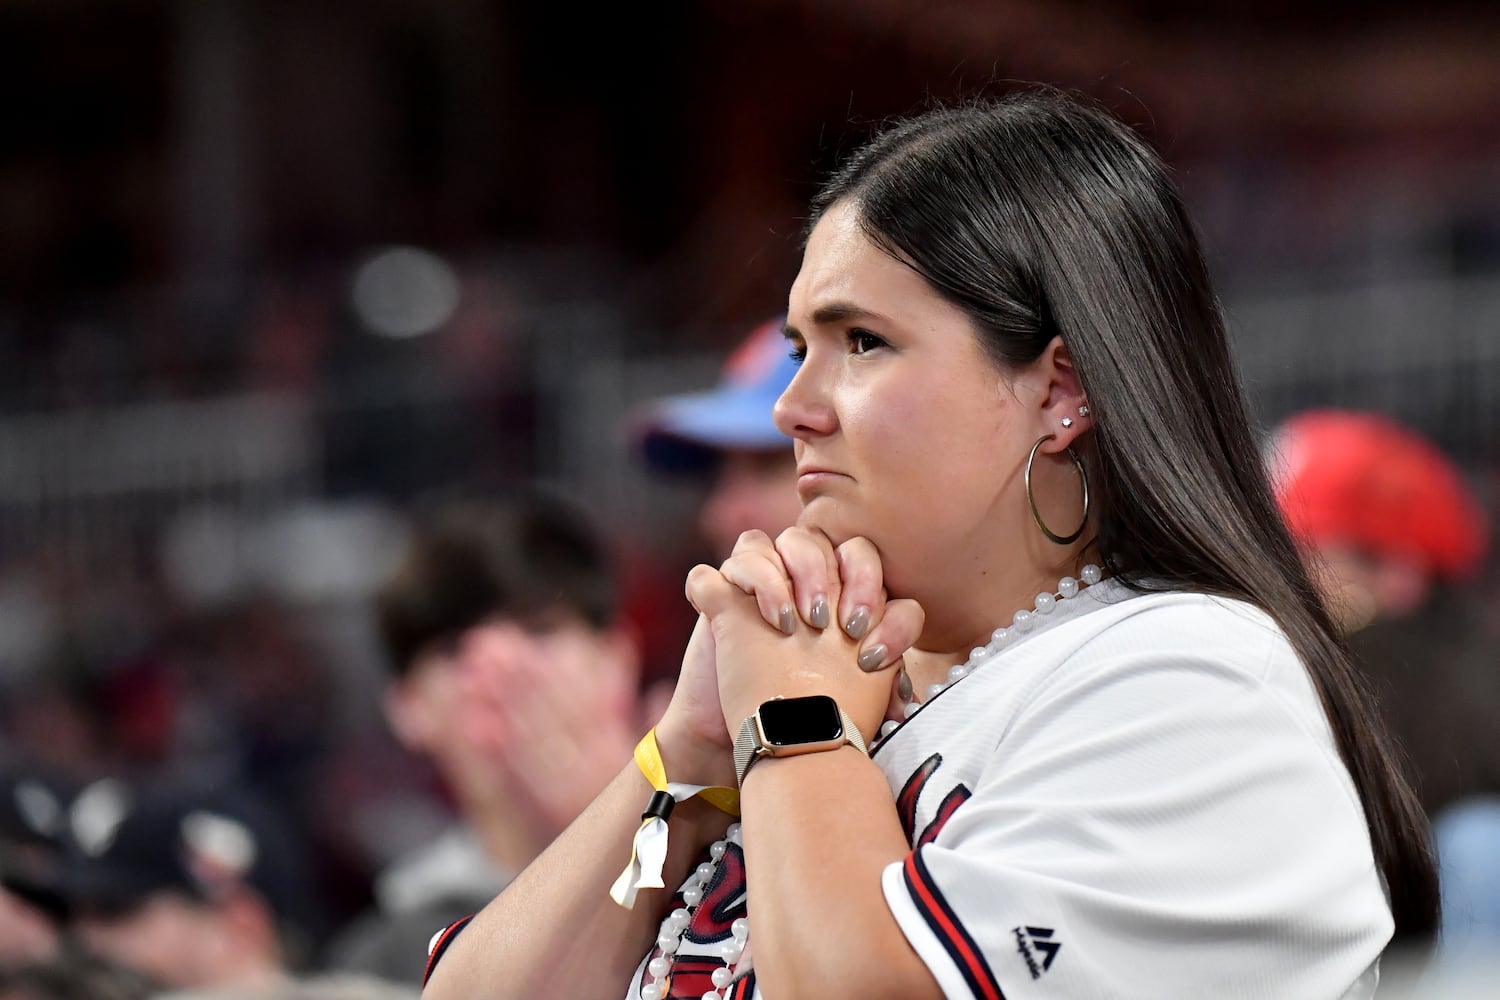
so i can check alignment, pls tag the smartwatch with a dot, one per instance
(785, 727)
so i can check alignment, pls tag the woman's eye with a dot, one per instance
(861, 341)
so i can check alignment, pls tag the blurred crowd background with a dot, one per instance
(273, 273)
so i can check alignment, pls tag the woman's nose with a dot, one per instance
(803, 410)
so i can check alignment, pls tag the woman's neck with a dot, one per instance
(950, 638)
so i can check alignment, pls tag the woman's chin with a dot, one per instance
(818, 517)
(840, 529)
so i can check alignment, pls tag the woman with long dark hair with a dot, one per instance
(1123, 753)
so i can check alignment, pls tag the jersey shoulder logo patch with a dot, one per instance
(911, 792)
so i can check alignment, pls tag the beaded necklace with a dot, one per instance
(1023, 622)
(674, 928)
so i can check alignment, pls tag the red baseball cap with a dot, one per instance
(1362, 479)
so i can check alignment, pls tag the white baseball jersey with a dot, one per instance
(1142, 798)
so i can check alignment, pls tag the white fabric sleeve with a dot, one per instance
(1152, 824)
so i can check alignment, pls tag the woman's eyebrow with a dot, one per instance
(838, 312)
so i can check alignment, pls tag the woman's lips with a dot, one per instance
(812, 479)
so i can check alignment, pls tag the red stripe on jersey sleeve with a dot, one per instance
(945, 924)
(441, 945)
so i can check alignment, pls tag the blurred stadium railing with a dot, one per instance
(1425, 352)
(94, 482)
(89, 483)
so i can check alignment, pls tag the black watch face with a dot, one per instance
(791, 721)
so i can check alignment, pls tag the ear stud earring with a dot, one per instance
(1067, 422)
(1083, 410)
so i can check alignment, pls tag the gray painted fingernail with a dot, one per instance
(872, 658)
(787, 619)
(819, 616)
(858, 623)
(903, 685)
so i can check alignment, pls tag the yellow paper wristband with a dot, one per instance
(648, 849)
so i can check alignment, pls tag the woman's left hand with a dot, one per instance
(835, 632)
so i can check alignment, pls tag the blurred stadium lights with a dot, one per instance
(402, 292)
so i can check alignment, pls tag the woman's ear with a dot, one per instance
(1065, 411)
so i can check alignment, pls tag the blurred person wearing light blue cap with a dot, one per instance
(727, 433)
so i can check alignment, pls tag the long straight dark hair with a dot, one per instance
(1040, 215)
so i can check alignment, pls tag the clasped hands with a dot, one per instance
(790, 617)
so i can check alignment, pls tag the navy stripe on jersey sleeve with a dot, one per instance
(945, 924)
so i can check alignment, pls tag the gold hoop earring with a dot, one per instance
(1036, 515)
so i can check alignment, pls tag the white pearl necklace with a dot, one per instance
(1022, 623)
(675, 925)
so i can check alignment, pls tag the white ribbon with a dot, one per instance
(648, 852)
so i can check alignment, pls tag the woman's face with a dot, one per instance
(905, 431)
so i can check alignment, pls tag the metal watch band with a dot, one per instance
(747, 749)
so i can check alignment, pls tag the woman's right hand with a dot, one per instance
(694, 746)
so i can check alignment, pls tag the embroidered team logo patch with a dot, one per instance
(1037, 948)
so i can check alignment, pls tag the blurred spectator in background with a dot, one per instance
(191, 886)
(33, 812)
(27, 934)
(1385, 516)
(74, 976)
(1395, 538)
(512, 672)
(726, 435)
(244, 657)
(1393, 534)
